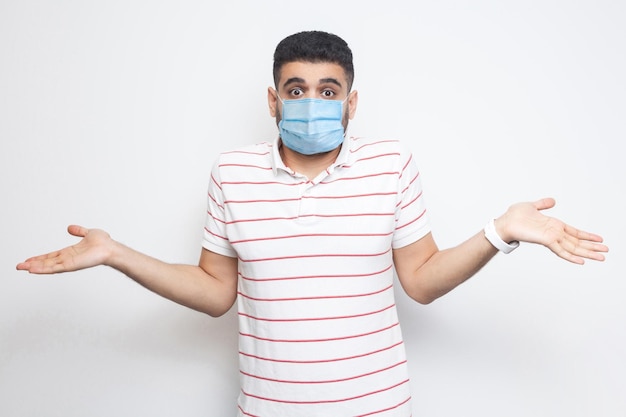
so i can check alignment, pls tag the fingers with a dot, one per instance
(78, 231)
(545, 203)
(575, 246)
(577, 254)
(43, 264)
(27, 264)
(582, 235)
(589, 244)
(23, 266)
(54, 261)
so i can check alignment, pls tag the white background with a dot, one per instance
(112, 113)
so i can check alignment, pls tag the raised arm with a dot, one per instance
(210, 287)
(426, 273)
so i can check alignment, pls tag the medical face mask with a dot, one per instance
(311, 125)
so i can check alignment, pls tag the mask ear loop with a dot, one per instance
(281, 102)
(343, 104)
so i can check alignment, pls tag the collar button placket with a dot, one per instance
(306, 214)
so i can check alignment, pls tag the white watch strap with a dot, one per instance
(492, 236)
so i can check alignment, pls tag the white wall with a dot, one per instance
(111, 114)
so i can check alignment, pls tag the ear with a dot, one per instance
(272, 101)
(353, 100)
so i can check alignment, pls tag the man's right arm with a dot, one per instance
(210, 287)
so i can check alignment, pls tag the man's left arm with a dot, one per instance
(427, 273)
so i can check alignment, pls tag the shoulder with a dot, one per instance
(258, 154)
(255, 152)
(251, 161)
(366, 148)
(362, 144)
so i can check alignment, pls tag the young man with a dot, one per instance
(305, 234)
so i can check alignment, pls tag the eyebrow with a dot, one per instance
(296, 80)
(293, 80)
(330, 81)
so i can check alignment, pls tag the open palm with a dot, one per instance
(528, 224)
(92, 250)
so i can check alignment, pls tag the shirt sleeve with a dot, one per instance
(412, 221)
(215, 237)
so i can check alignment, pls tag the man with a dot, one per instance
(305, 234)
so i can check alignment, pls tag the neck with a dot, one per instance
(309, 165)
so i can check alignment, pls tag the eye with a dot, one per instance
(296, 92)
(328, 93)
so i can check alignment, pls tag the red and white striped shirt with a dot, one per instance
(318, 328)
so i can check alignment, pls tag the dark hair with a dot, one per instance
(314, 46)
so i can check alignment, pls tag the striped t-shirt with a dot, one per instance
(318, 328)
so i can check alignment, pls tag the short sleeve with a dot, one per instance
(411, 215)
(215, 237)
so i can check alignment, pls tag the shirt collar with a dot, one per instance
(277, 161)
(342, 159)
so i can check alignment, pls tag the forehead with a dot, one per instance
(312, 73)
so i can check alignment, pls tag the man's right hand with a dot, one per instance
(94, 249)
(210, 287)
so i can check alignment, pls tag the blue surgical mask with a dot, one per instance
(311, 125)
